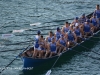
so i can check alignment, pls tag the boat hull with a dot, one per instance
(33, 63)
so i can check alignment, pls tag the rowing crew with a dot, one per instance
(68, 36)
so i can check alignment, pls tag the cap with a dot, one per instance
(61, 35)
(58, 28)
(76, 24)
(76, 18)
(83, 14)
(87, 20)
(38, 32)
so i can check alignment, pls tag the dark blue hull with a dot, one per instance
(32, 63)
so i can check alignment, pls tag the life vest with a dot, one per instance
(94, 21)
(52, 47)
(77, 32)
(70, 37)
(62, 42)
(87, 27)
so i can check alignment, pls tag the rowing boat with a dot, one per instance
(31, 63)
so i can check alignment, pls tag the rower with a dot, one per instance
(76, 20)
(42, 47)
(65, 28)
(52, 47)
(88, 28)
(62, 44)
(36, 45)
(97, 11)
(82, 19)
(71, 37)
(58, 33)
(95, 22)
(48, 39)
(78, 33)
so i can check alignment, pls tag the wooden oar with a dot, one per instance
(10, 50)
(49, 71)
(38, 23)
(31, 29)
(14, 59)
(34, 24)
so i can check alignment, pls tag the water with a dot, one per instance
(19, 14)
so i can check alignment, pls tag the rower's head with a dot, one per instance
(67, 24)
(52, 39)
(58, 29)
(97, 7)
(83, 15)
(38, 32)
(87, 21)
(50, 33)
(76, 19)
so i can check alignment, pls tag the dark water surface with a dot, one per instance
(19, 14)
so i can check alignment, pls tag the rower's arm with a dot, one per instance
(58, 43)
(75, 37)
(63, 29)
(47, 39)
(66, 36)
(48, 47)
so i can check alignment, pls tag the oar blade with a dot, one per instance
(18, 31)
(48, 73)
(34, 24)
(7, 35)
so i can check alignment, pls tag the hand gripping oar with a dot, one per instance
(49, 71)
(13, 60)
